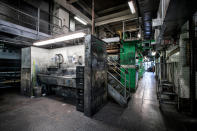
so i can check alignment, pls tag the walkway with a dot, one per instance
(19, 113)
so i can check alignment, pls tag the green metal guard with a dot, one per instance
(128, 61)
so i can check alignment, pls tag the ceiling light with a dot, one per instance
(80, 20)
(132, 8)
(139, 35)
(153, 53)
(60, 39)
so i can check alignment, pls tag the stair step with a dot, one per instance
(168, 102)
(168, 93)
(117, 96)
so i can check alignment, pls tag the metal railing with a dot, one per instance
(125, 92)
(16, 16)
(123, 76)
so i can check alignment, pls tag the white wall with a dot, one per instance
(71, 55)
(41, 58)
(37, 60)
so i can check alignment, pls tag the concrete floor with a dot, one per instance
(19, 113)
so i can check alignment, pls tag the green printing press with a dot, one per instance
(131, 60)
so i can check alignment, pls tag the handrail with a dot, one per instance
(116, 79)
(17, 10)
(27, 13)
(118, 74)
(30, 20)
(125, 70)
(116, 66)
(125, 80)
(120, 65)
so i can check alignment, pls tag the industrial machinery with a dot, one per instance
(9, 65)
(78, 72)
(58, 79)
(140, 60)
(140, 66)
(128, 60)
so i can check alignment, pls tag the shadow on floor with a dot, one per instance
(143, 112)
(20, 113)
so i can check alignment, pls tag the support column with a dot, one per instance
(93, 23)
(193, 56)
(38, 23)
(184, 69)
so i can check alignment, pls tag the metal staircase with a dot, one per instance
(118, 85)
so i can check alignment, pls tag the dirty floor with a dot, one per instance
(20, 113)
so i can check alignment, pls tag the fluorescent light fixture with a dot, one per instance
(113, 39)
(153, 53)
(60, 39)
(139, 35)
(80, 20)
(132, 8)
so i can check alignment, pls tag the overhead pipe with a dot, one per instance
(123, 29)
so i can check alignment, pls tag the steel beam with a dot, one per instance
(18, 30)
(121, 13)
(72, 1)
(117, 19)
(93, 20)
(112, 9)
(86, 8)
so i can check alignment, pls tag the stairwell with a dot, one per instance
(118, 85)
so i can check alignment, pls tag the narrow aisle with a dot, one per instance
(143, 112)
